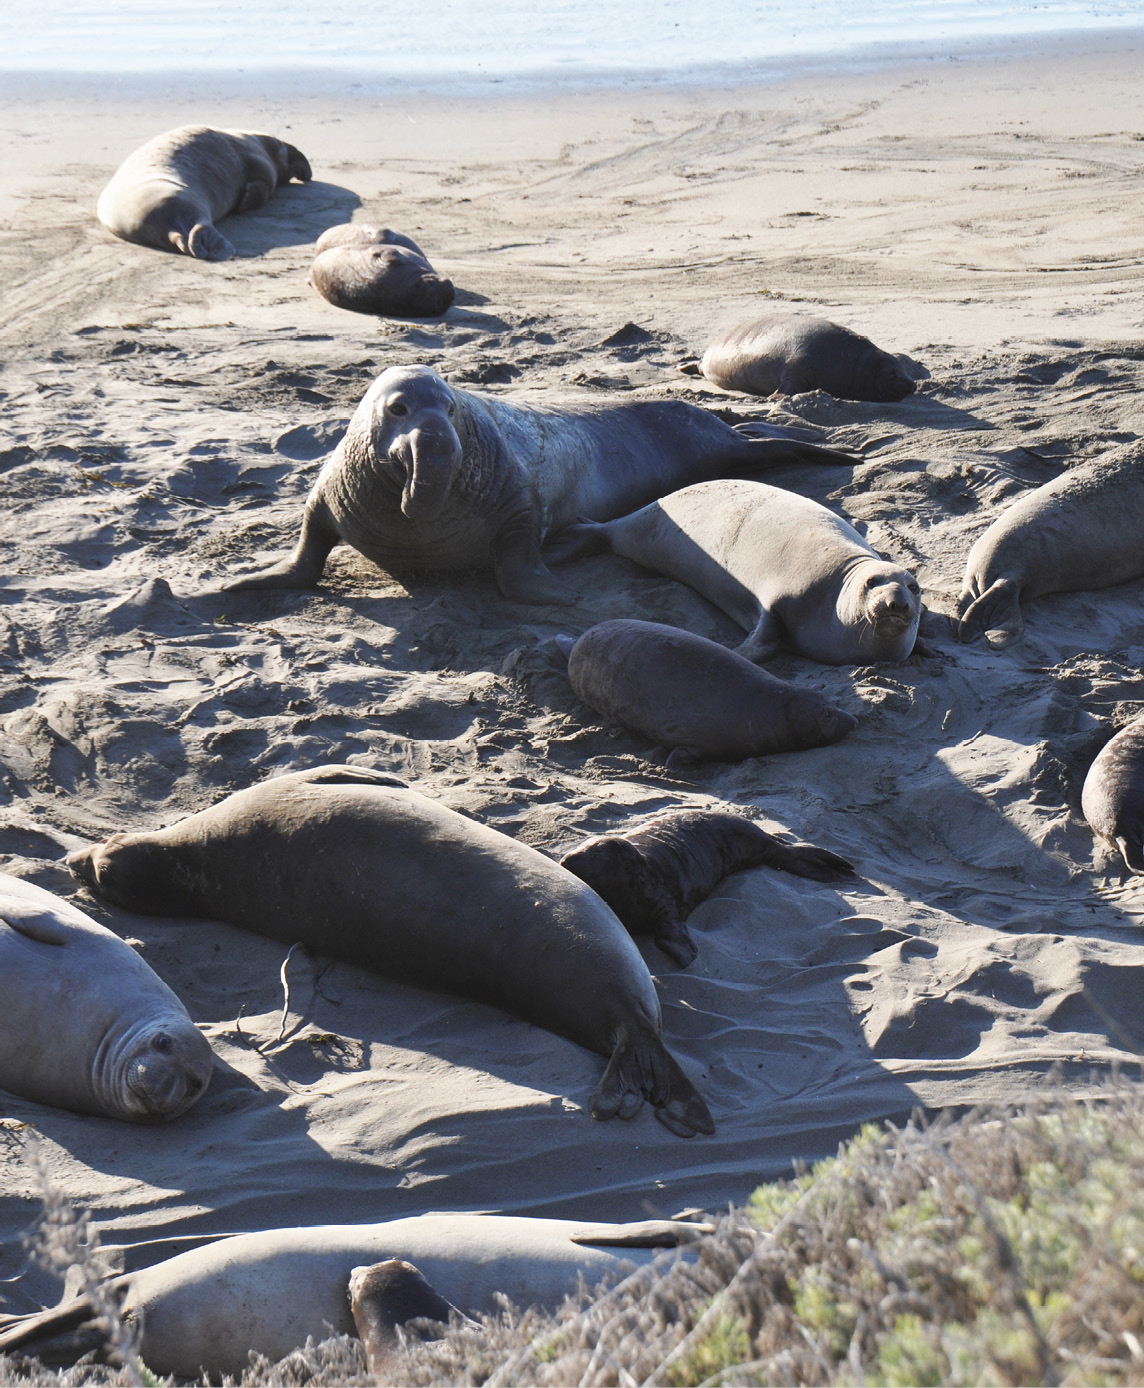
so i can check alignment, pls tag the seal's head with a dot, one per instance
(159, 1069)
(131, 871)
(889, 381)
(885, 602)
(288, 161)
(414, 414)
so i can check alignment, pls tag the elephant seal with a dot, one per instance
(1113, 796)
(356, 865)
(85, 1024)
(430, 477)
(1082, 530)
(173, 189)
(656, 873)
(786, 353)
(204, 1310)
(390, 1294)
(783, 567)
(370, 269)
(695, 696)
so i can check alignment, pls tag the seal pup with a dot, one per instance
(173, 189)
(392, 1294)
(370, 269)
(786, 353)
(431, 477)
(1112, 799)
(694, 696)
(204, 1310)
(654, 874)
(1082, 530)
(356, 865)
(785, 568)
(85, 1024)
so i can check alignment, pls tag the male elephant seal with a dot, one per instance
(202, 1311)
(1113, 796)
(695, 696)
(656, 873)
(85, 1024)
(785, 353)
(1082, 530)
(783, 567)
(370, 269)
(430, 477)
(173, 189)
(356, 865)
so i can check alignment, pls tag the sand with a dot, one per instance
(163, 420)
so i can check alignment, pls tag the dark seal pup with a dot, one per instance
(785, 568)
(694, 696)
(786, 353)
(1084, 529)
(173, 189)
(1113, 796)
(429, 477)
(656, 873)
(356, 865)
(392, 1294)
(370, 269)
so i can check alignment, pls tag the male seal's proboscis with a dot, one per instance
(170, 193)
(356, 865)
(431, 477)
(85, 1024)
(654, 874)
(205, 1310)
(1084, 529)
(786, 569)
(695, 697)
(1113, 796)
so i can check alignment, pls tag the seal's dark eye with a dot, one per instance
(450, 409)
(914, 588)
(162, 1043)
(398, 409)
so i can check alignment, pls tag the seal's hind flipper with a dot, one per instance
(576, 541)
(203, 242)
(997, 612)
(60, 1335)
(642, 1068)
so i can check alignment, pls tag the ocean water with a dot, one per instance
(510, 41)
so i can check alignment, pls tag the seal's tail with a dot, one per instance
(997, 612)
(641, 1068)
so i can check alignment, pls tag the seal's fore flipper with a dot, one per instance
(352, 776)
(305, 565)
(645, 1233)
(641, 1068)
(40, 926)
(763, 641)
(997, 612)
(1132, 850)
(576, 541)
(777, 452)
(254, 195)
(564, 644)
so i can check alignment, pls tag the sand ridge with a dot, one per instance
(163, 421)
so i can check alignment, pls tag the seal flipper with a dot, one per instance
(521, 574)
(577, 541)
(997, 610)
(352, 776)
(56, 1336)
(203, 242)
(764, 640)
(644, 1233)
(1132, 850)
(642, 1068)
(254, 195)
(304, 567)
(40, 926)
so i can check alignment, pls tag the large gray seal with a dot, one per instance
(785, 353)
(173, 189)
(431, 477)
(1082, 530)
(371, 269)
(85, 1024)
(204, 1310)
(783, 567)
(654, 874)
(694, 696)
(356, 865)
(1113, 796)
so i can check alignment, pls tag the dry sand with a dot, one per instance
(163, 420)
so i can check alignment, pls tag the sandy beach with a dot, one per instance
(163, 420)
